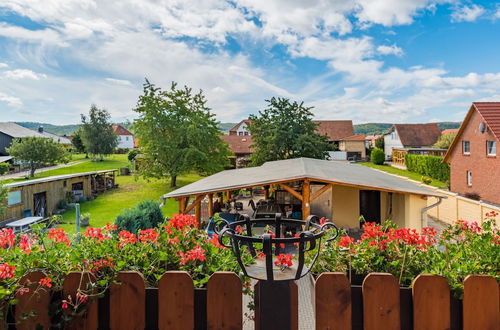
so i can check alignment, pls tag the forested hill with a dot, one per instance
(60, 130)
(381, 128)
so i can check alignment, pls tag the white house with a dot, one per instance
(125, 137)
(410, 136)
(241, 129)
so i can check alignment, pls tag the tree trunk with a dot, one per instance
(173, 181)
(32, 170)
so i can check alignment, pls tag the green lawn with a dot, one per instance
(408, 174)
(130, 192)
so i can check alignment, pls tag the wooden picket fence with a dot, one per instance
(378, 304)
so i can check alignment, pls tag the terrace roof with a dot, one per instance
(54, 178)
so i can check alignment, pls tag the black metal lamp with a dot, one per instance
(277, 255)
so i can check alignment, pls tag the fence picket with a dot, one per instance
(381, 302)
(333, 301)
(431, 303)
(176, 301)
(127, 302)
(224, 301)
(79, 281)
(37, 300)
(481, 308)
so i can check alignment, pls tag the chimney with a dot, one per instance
(40, 129)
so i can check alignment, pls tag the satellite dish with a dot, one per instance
(482, 127)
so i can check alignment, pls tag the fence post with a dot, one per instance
(333, 295)
(73, 283)
(175, 301)
(381, 302)
(224, 301)
(127, 302)
(37, 300)
(481, 308)
(431, 302)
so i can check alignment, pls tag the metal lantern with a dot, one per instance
(275, 249)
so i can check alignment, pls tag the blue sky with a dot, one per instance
(365, 60)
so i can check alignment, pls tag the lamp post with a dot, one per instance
(274, 251)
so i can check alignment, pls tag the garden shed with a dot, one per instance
(40, 197)
(339, 191)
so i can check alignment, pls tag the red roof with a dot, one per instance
(120, 130)
(417, 135)
(357, 137)
(239, 144)
(336, 130)
(490, 111)
(449, 131)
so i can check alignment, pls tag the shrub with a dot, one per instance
(146, 214)
(378, 156)
(426, 179)
(431, 166)
(4, 168)
(85, 219)
(132, 154)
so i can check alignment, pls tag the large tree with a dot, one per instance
(78, 142)
(38, 152)
(445, 140)
(97, 133)
(178, 134)
(285, 130)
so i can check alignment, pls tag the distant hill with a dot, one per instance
(381, 128)
(225, 127)
(54, 129)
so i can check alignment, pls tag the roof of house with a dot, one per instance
(4, 159)
(489, 111)
(335, 129)
(372, 137)
(56, 138)
(54, 178)
(235, 127)
(120, 130)
(239, 144)
(357, 137)
(17, 131)
(417, 134)
(449, 131)
(301, 168)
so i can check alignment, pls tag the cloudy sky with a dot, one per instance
(366, 60)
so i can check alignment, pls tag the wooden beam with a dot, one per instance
(321, 191)
(197, 212)
(182, 204)
(228, 195)
(266, 192)
(291, 191)
(210, 205)
(306, 199)
(197, 200)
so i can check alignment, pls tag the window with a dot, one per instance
(240, 133)
(466, 147)
(491, 148)
(393, 135)
(469, 178)
(14, 198)
(126, 138)
(246, 133)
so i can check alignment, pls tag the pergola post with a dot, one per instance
(210, 205)
(228, 195)
(266, 192)
(197, 211)
(306, 199)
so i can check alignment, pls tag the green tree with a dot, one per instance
(97, 133)
(3, 198)
(178, 134)
(379, 143)
(38, 152)
(378, 156)
(285, 130)
(78, 142)
(445, 140)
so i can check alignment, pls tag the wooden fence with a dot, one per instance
(378, 304)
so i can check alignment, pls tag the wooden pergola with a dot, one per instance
(188, 204)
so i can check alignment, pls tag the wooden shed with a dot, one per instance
(40, 197)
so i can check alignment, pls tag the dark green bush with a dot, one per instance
(378, 156)
(431, 166)
(4, 168)
(146, 214)
(132, 154)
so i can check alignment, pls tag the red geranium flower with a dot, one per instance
(58, 235)
(46, 282)
(6, 271)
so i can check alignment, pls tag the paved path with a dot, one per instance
(24, 174)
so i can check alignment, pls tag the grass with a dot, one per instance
(130, 192)
(408, 174)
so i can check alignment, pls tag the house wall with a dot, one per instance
(354, 146)
(345, 206)
(322, 206)
(242, 130)
(5, 142)
(485, 169)
(391, 142)
(413, 210)
(55, 191)
(126, 141)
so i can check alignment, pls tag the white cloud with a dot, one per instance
(23, 74)
(390, 12)
(3, 65)
(45, 36)
(390, 50)
(497, 13)
(467, 13)
(10, 100)
(119, 81)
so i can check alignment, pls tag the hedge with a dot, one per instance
(431, 166)
(377, 156)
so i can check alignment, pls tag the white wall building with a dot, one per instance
(125, 137)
